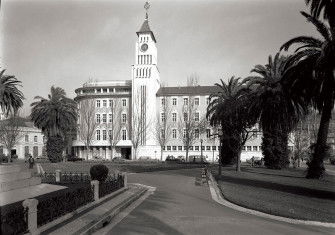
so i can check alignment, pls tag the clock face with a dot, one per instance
(144, 47)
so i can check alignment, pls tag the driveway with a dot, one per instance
(181, 206)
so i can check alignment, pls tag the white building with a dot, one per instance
(30, 141)
(142, 100)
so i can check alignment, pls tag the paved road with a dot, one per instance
(179, 206)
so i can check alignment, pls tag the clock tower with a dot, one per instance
(145, 84)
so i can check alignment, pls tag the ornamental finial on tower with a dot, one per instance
(146, 7)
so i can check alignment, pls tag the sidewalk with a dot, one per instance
(99, 216)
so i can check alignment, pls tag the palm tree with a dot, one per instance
(10, 96)
(55, 116)
(314, 58)
(277, 109)
(228, 109)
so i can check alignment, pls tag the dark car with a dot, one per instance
(171, 158)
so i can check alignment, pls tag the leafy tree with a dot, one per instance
(277, 109)
(314, 63)
(228, 109)
(10, 96)
(54, 116)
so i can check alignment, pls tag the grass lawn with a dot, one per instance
(280, 192)
(132, 166)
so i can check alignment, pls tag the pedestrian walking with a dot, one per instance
(31, 162)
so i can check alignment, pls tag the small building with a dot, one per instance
(30, 141)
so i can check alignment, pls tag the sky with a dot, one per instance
(67, 42)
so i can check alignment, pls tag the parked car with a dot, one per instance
(171, 158)
(181, 158)
(197, 159)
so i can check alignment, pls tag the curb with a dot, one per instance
(219, 198)
(108, 216)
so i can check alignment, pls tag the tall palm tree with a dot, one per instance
(277, 109)
(228, 110)
(55, 116)
(10, 96)
(315, 59)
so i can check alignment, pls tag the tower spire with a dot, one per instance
(146, 7)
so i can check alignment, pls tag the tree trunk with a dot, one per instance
(161, 154)
(238, 161)
(316, 167)
(187, 154)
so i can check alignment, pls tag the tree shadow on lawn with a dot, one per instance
(298, 190)
(276, 173)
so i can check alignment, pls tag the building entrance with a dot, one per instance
(126, 153)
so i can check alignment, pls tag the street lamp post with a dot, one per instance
(220, 151)
(201, 149)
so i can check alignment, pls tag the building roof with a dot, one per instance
(145, 28)
(22, 122)
(187, 90)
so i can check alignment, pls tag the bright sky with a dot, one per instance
(66, 42)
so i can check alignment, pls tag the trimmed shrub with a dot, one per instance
(55, 147)
(99, 172)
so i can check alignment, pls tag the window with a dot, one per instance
(35, 138)
(196, 133)
(207, 100)
(208, 133)
(185, 117)
(98, 118)
(124, 102)
(203, 148)
(124, 134)
(243, 148)
(35, 151)
(174, 117)
(196, 117)
(110, 103)
(174, 134)
(254, 148)
(98, 103)
(180, 148)
(184, 133)
(162, 134)
(162, 117)
(196, 101)
(104, 135)
(124, 118)
(214, 148)
(174, 148)
(26, 138)
(163, 101)
(26, 150)
(99, 91)
(104, 118)
(104, 90)
(163, 148)
(174, 101)
(98, 134)
(248, 148)
(168, 148)
(110, 117)
(185, 101)
(104, 103)
(110, 134)
(191, 148)
(208, 148)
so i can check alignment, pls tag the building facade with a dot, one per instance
(153, 121)
(30, 141)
